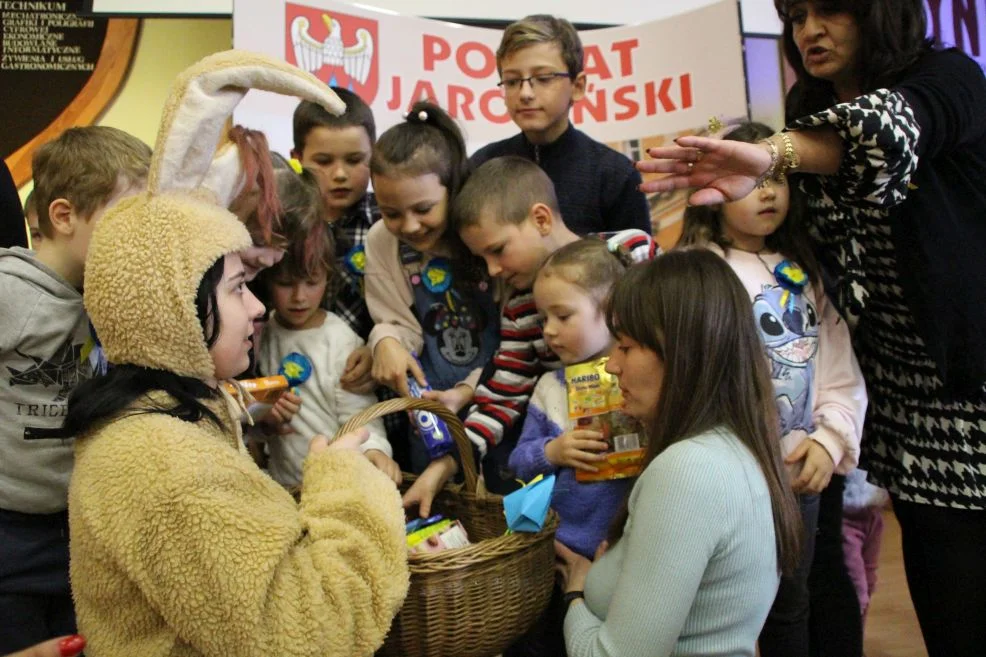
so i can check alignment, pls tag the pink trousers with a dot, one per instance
(862, 530)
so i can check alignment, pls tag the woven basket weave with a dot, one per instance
(472, 601)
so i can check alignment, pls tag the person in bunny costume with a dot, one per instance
(180, 545)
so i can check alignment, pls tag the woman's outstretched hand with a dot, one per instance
(720, 170)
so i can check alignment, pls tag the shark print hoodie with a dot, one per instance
(45, 349)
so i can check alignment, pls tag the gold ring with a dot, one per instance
(691, 165)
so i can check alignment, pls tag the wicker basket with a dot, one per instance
(477, 600)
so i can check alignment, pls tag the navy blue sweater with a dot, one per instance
(596, 186)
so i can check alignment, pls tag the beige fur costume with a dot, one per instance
(180, 545)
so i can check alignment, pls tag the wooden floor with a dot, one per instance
(891, 626)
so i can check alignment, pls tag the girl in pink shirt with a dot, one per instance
(820, 394)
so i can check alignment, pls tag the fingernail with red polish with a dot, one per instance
(71, 645)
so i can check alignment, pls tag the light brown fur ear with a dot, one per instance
(196, 113)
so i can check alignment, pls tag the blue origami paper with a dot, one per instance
(527, 508)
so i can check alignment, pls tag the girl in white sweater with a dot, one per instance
(296, 287)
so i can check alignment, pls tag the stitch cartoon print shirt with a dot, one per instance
(818, 387)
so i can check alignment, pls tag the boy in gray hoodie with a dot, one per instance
(46, 349)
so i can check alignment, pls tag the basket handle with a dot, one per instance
(410, 404)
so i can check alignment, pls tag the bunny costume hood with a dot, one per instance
(149, 253)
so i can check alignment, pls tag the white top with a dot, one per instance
(325, 406)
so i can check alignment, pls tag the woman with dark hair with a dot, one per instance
(697, 550)
(889, 136)
(180, 545)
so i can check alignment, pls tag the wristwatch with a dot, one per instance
(572, 596)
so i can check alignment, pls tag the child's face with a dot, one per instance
(237, 310)
(513, 252)
(340, 158)
(298, 302)
(574, 326)
(748, 221)
(641, 374)
(414, 208)
(540, 110)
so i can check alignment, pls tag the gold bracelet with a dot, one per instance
(780, 164)
(772, 167)
(791, 161)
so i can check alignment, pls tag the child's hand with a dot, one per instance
(278, 419)
(428, 483)
(453, 398)
(392, 362)
(385, 464)
(817, 469)
(357, 378)
(577, 449)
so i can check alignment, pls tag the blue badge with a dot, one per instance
(437, 276)
(296, 368)
(355, 260)
(792, 278)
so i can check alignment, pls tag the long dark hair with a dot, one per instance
(104, 397)
(429, 141)
(702, 224)
(691, 310)
(893, 35)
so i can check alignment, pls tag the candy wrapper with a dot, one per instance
(595, 403)
(444, 535)
(432, 429)
(295, 369)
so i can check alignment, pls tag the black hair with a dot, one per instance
(105, 397)
(430, 142)
(309, 115)
(893, 35)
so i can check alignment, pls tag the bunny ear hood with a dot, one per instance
(148, 254)
(223, 82)
(146, 260)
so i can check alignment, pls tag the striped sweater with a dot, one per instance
(501, 399)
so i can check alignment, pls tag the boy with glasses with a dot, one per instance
(540, 62)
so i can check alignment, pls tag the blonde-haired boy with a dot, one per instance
(540, 62)
(46, 350)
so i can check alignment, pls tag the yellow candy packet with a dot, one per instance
(595, 403)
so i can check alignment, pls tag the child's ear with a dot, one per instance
(578, 87)
(62, 215)
(543, 218)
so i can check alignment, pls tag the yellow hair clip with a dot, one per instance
(295, 166)
(715, 125)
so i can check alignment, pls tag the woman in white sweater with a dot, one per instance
(696, 556)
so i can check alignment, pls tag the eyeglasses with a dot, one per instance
(539, 81)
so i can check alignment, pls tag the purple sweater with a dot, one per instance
(585, 510)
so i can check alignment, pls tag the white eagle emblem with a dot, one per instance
(312, 54)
